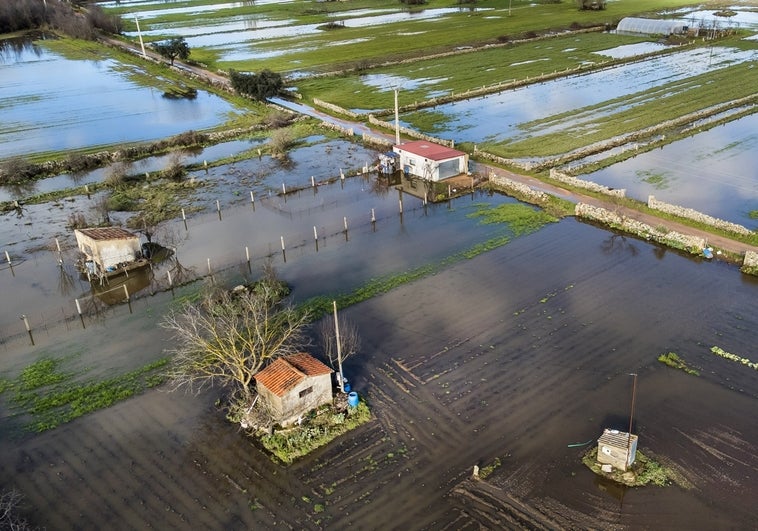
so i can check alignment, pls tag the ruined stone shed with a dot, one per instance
(107, 247)
(291, 386)
(617, 448)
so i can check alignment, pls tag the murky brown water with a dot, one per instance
(513, 354)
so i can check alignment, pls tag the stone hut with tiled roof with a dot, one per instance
(293, 385)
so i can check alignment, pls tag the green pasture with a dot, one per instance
(459, 73)
(619, 116)
(491, 21)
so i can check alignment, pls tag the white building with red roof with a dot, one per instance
(430, 161)
(292, 385)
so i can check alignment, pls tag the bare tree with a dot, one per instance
(230, 335)
(9, 518)
(350, 339)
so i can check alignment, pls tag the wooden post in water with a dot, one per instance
(28, 328)
(247, 257)
(315, 236)
(79, 311)
(313, 184)
(210, 271)
(284, 253)
(10, 264)
(128, 300)
(86, 191)
(344, 222)
(184, 219)
(60, 254)
(218, 209)
(170, 283)
(373, 220)
(252, 199)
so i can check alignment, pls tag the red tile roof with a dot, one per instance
(430, 150)
(108, 233)
(286, 372)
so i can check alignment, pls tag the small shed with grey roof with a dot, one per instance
(617, 448)
(291, 386)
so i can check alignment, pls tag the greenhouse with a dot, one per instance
(651, 26)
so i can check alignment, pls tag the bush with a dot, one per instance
(257, 86)
(16, 170)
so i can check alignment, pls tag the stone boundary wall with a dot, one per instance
(337, 127)
(690, 213)
(383, 143)
(691, 244)
(751, 260)
(534, 196)
(410, 132)
(527, 166)
(336, 108)
(587, 185)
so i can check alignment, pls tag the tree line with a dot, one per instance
(68, 18)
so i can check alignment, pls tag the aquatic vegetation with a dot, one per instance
(521, 219)
(733, 357)
(673, 360)
(317, 430)
(644, 471)
(51, 396)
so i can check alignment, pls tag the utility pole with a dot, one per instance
(339, 347)
(397, 121)
(139, 33)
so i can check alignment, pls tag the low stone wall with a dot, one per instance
(382, 143)
(410, 132)
(520, 189)
(587, 185)
(691, 244)
(690, 213)
(336, 127)
(750, 263)
(336, 108)
(502, 160)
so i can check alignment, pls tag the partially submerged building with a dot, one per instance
(430, 161)
(108, 249)
(291, 386)
(617, 448)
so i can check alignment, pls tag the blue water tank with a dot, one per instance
(352, 399)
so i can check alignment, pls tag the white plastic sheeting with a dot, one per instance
(651, 26)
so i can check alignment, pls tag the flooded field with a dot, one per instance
(512, 355)
(574, 103)
(38, 118)
(713, 171)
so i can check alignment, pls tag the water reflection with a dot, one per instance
(14, 49)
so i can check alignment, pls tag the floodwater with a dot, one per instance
(38, 118)
(511, 355)
(509, 113)
(713, 171)
(239, 30)
(97, 175)
(48, 292)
